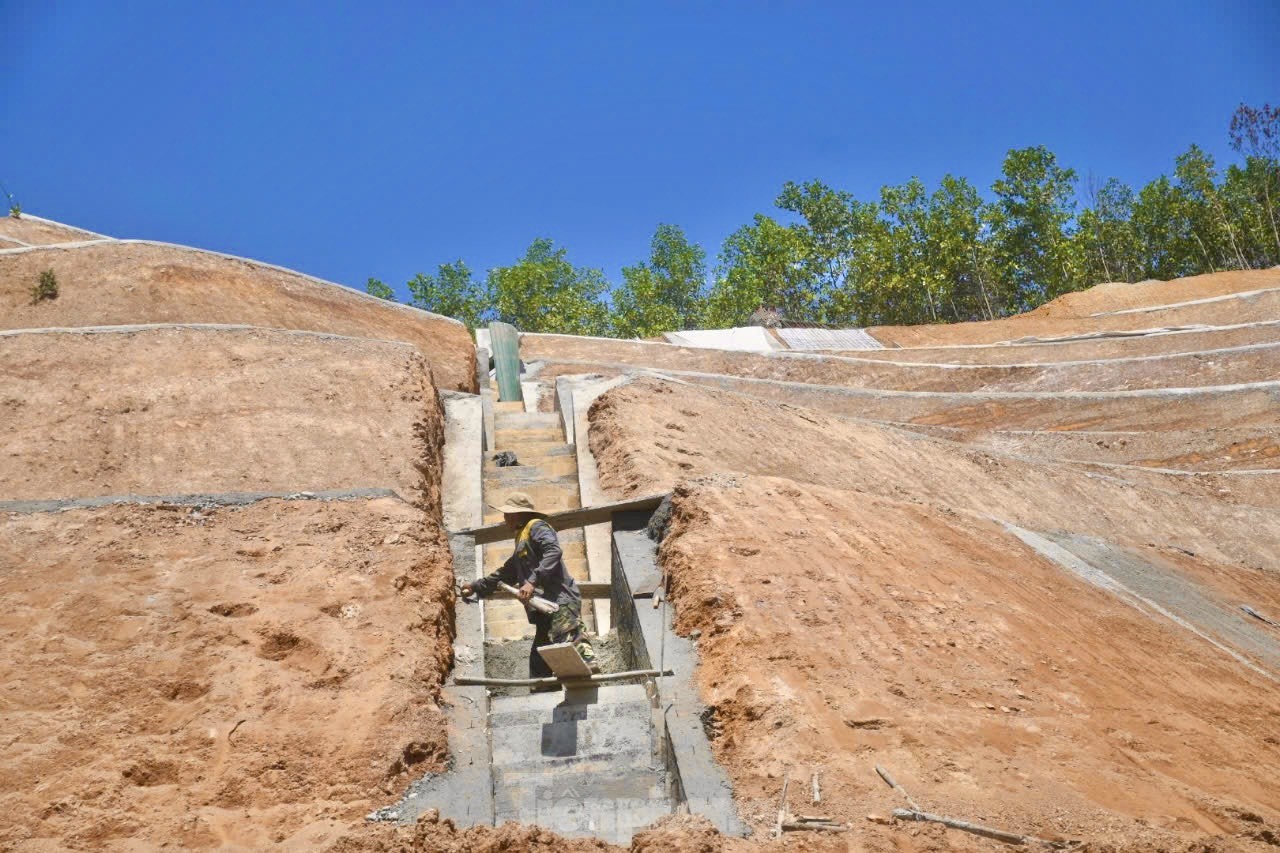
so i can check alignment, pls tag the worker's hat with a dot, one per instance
(518, 503)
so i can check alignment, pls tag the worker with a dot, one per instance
(536, 566)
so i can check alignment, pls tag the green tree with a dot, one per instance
(375, 287)
(664, 294)
(955, 229)
(453, 292)
(761, 264)
(1167, 247)
(1210, 220)
(543, 292)
(1034, 203)
(1255, 134)
(1106, 242)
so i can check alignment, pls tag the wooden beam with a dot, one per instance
(498, 531)
(534, 682)
(589, 590)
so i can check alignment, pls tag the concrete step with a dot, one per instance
(615, 821)
(525, 475)
(604, 695)
(508, 437)
(507, 406)
(532, 447)
(496, 487)
(550, 450)
(546, 466)
(528, 420)
(578, 767)
(598, 782)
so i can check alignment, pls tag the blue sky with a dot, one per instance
(349, 140)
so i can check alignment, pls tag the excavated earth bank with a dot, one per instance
(122, 282)
(203, 676)
(860, 600)
(181, 410)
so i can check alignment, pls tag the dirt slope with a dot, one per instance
(180, 410)
(860, 601)
(216, 676)
(121, 283)
(29, 231)
(1078, 313)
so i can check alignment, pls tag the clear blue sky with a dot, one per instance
(357, 139)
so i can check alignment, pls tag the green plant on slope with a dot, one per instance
(45, 288)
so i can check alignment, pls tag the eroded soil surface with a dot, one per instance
(121, 283)
(174, 411)
(210, 676)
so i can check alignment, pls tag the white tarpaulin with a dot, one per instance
(744, 339)
(819, 339)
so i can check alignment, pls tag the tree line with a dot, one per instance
(916, 254)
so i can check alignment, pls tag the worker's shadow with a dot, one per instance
(560, 736)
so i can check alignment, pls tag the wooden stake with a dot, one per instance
(817, 791)
(782, 807)
(975, 828)
(888, 780)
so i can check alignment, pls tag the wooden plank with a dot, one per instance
(564, 660)
(498, 531)
(589, 590)
(531, 682)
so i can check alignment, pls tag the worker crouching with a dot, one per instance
(537, 564)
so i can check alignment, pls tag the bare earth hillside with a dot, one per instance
(183, 410)
(119, 282)
(1005, 561)
(204, 676)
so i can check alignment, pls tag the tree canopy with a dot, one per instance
(914, 254)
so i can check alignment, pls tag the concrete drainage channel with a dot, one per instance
(602, 759)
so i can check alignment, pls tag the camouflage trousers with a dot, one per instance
(563, 626)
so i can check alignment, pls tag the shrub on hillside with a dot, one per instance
(45, 288)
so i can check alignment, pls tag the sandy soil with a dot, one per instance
(215, 676)
(1077, 313)
(869, 574)
(31, 232)
(1217, 367)
(1083, 349)
(126, 283)
(171, 411)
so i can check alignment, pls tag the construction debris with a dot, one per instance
(976, 829)
(889, 780)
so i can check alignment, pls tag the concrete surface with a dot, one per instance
(586, 764)
(697, 781)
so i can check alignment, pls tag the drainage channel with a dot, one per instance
(586, 759)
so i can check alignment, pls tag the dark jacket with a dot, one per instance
(537, 558)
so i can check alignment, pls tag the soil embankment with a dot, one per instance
(1157, 303)
(209, 676)
(182, 410)
(123, 283)
(859, 600)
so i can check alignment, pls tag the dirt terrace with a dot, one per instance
(202, 677)
(26, 231)
(1085, 348)
(122, 283)
(1080, 313)
(179, 410)
(860, 601)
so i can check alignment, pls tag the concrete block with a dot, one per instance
(464, 792)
